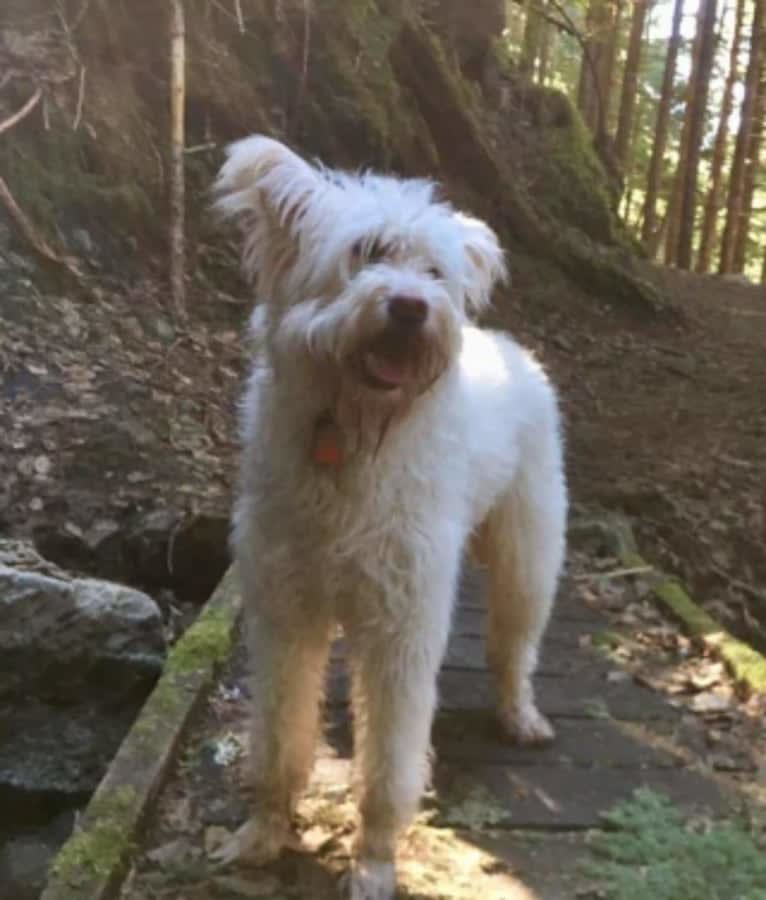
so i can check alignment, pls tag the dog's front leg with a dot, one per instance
(288, 660)
(394, 701)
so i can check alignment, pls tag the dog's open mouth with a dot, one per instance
(384, 372)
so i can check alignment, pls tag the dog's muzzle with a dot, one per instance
(394, 358)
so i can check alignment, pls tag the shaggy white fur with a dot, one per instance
(383, 435)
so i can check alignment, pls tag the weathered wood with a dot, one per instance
(93, 862)
(553, 797)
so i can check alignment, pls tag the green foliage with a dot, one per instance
(571, 180)
(101, 845)
(650, 853)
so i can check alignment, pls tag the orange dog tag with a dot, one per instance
(327, 450)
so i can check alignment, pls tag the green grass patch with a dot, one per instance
(649, 852)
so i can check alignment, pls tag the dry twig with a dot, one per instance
(17, 214)
(38, 243)
(80, 99)
(615, 573)
(25, 110)
(240, 18)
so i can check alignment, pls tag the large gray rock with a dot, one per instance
(69, 638)
(77, 658)
(53, 755)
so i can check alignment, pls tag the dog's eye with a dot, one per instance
(371, 252)
(378, 250)
(436, 272)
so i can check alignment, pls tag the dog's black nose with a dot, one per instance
(407, 311)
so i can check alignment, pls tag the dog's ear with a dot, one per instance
(268, 187)
(484, 262)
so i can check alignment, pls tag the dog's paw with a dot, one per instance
(256, 843)
(526, 726)
(371, 880)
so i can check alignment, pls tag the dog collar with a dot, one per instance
(326, 449)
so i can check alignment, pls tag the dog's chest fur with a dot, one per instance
(380, 522)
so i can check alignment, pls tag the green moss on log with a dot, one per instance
(745, 663)
(104, 844)
(206, 643)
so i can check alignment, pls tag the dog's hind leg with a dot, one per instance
(288, 667)
(523, 543)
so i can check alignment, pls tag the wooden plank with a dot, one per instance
(476, 737)
(552, 797)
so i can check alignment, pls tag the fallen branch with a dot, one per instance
(240, 18)
(25, 110)
(615, 573)
(26, 227)
(177, 36)
(80, 99)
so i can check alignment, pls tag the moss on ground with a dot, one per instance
(105, 841)
(649, 852)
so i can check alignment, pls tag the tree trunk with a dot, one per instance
(650, 227)
(713, 200)
(630, 81)
(611, 272)
(747, 114)
(673, 214)
(547, 39)
(530, 45)
(597, 68)
(516, 16)
(706, 22)
(177, 146)
(752, 165)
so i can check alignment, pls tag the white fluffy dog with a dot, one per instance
(383, 434)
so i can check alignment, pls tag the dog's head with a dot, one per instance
(370, 277)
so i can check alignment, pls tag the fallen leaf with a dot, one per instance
(173, 853)
(241, 887)
(709, 702)
(315, 838)
(216, 836)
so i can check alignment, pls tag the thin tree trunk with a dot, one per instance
(747, 113)
(177, 146)
(597, 68)
(630, 81)
(673, 215)
(547, 39)
(649, 230)
(706, 22)
(516, 15)
(610, 62)
(530, 45)
(633, 217)
(752, 165)
(713, 200)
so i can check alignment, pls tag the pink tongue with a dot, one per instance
(386, 370)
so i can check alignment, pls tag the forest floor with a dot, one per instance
(635, 706)
(107, 410)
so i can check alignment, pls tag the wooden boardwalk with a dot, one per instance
(502, 822)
